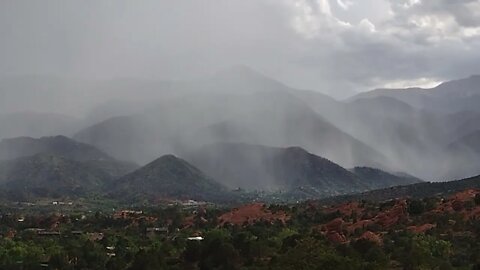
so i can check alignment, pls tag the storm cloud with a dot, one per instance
(338, 47)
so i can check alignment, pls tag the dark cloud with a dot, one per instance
(336, 47)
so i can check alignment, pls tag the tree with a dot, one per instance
(59, 261)
(192, 252)
(218, 252)
(426, 252)
(477, 199)
(19, 255)
(147, 260)
(416, 207)
(93, 256)
(310, 253)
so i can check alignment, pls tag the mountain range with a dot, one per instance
(430, 134)
(206, 115)
(61, 167)
(271, 168)
(448, 97)
(297, 172)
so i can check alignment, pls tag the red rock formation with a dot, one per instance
(250, 214)
(370, 236)
(334, 225)
(422, 228)
(465, 195)
(457, 205)
(474, 213)
(362, 224)
(336, 237)
(391, 217)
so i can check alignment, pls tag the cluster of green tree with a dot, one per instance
(454, 243)
(252, 248)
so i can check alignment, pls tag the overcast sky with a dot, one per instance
(333, 46)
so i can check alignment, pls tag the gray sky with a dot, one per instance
(333, 46)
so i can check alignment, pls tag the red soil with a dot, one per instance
(362, 224)
(251, 213)
(464, 196)
(336, 237)
(421, 228)
(391, 217)
(334, 225)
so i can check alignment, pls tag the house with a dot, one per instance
(35, 230)
(192, 203)
(124, 214)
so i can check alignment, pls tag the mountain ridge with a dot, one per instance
(415, 191)
(46, 175)
(169, 177)
(13, 148)
(278, 168)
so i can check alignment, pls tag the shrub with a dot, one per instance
(416, 207)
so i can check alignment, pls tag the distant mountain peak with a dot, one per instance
(247, 78)
(239, 70)
(168, 157)
(166, 163)
(169, 177)
(57, 145)
(298, 151)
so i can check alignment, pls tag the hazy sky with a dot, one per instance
(333, 46)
